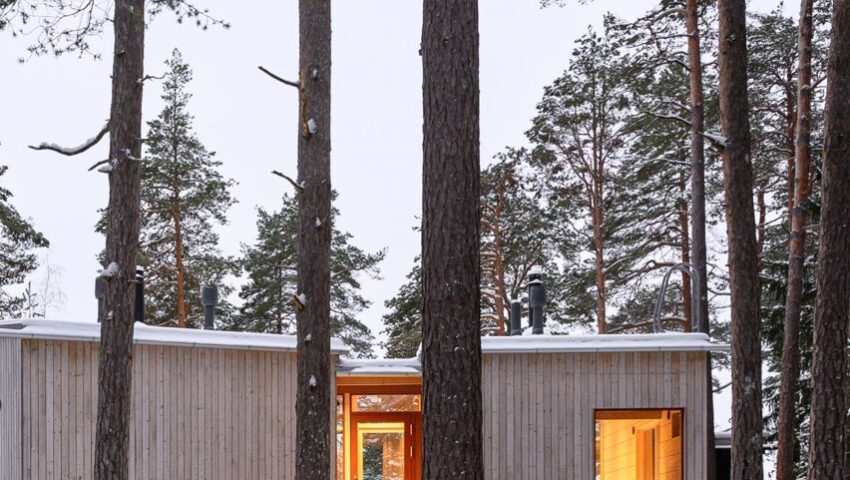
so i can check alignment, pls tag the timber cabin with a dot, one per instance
(221, 405)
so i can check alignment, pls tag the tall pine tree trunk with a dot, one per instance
(786, 425)
(181, 271)
(499, 276)
(313, 458)
(829, 361)
(699, 297)
(599, 255)
(747, 433)
(685, 250)
(112, 437)
(451, 357)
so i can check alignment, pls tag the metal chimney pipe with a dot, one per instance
(139, 305)
(98, 295)
(516, 317)
(209, 297)
(536, 299)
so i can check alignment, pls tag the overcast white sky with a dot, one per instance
(250, 120)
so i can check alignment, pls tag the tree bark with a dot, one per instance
(313, 459)
(499, 276)
(112, 437)
(599, 253)
(829, 361)
(761, 224)
(181, 276)
(685, 247)
(451, 360)
(699, 296)
(747, 433)
(790, 369)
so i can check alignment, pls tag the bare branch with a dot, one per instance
(102, 162)
(298, 187)
(279, 79)
(150, 77)
(75, 150)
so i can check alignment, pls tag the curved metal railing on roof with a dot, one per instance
(657, 326)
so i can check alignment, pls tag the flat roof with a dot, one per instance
(636, 342)
(379, 367)
(150, 335)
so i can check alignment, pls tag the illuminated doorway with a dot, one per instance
(379, 428)
(638, 444)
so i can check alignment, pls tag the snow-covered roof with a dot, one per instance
(381, 366)
(639, 342)
(149, 335)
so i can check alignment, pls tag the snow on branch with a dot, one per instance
(298, 187)
(300, 301)
(110, 271)
(278, 78)
(716, 140)
(75, 150)
(150, 77)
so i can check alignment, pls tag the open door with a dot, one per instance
(384, 447)
(379, 428)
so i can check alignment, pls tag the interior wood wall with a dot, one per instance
(539, 408)
(197, 413)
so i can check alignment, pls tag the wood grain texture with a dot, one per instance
(195, 413)
(11, 433)
(541, 426)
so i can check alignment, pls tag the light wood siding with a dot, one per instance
(10, 409)
(197, 413)
(539, 407)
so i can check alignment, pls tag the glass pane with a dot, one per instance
(383, 456)
(387, 403)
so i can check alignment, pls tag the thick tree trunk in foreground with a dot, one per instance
(313, 458)
(747, 440)
(829, 362)
(451, 360)
(112, 437)
(786, 425)
(699, 298)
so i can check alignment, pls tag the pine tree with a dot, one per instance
(579, 134)
(18, 239)
(747, 423)
(517, 233)
(270, 264)
(829, 361)
(313, 294)
(184, 197)
(403, 322)
(451, 271)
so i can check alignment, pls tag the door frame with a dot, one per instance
(412, 439)
(378, 385)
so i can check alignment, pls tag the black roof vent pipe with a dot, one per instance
(139, 305)
(209, 297)
(536, 300)
(516, 317)
(98, 295)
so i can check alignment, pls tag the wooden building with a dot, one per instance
(221, 405)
